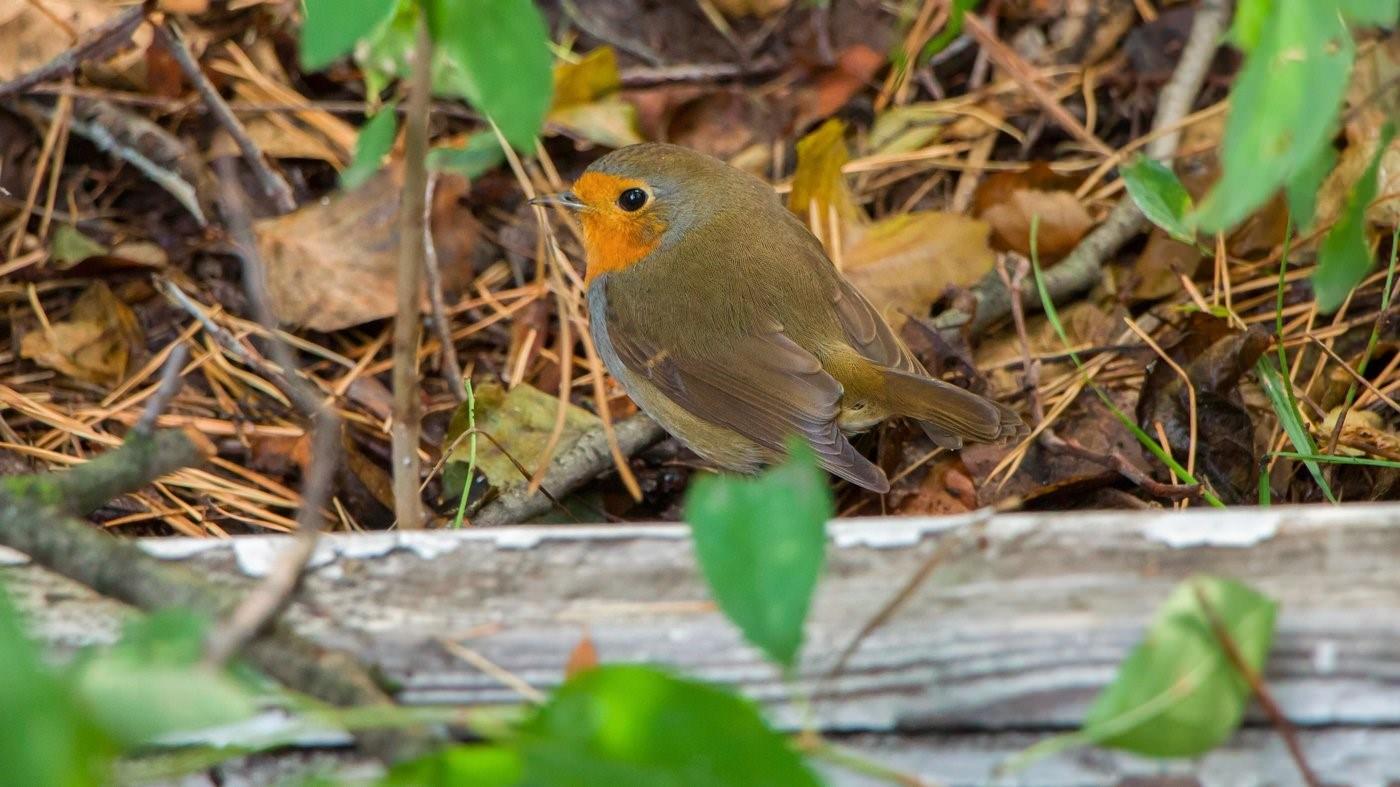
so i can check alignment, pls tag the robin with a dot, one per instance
(723, 318)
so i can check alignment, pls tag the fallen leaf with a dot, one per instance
(70, 246)
(818, 185)
(1156, 272)
(721, 124)
(587, 104)
(1214, 357)
(855, 67)
(521, 421)
(30, 38)
(735, 9)
(94, 344)
(906, 262)
(1085, 323)
(592, 77)
(333, 263)
(1009, 200)
(279, 455)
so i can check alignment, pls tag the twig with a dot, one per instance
(571, 468)
(169, 386)
(1024, 75)
(1115, 461)
(1030, 369)
(1081, 268)
(265, 601)
(451, 369)
(273, 184)
(653, 76)
(1258, 686)
(407, 408)
(102, 41)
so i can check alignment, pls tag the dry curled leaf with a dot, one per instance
(1008, 201)
(94, 344)
(333, 263)
(29, 37)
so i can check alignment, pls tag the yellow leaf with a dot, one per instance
(610, 122)
(594, 76)
(818, 187)
(94, 344)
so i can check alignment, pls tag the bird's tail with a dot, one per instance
(948, 414)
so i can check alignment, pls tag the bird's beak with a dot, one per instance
(566, 198)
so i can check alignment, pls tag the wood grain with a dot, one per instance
(1010, 638)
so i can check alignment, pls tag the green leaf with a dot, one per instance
(1249, 23)
(461, 766)
(152, 682)
(1283, 107)
(1301, 189)
(633, 726)
(44, 736)
(1177, 694)
(1371, 13)
(1275, 385)
(371, 146)
(332, 27)
(1345, 257)
(761, 544)
(499, 52)
(481, 154)
(70, 246)
(1160, 196)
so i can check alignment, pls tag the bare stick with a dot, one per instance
(266, 600)
(575, 466)
(1081, 268)
(451, 369)
(407, 409)
(103, 41)
(1258, 686)
(273, 184)
(169, 386)
(1115, 461)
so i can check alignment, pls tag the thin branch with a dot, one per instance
(169, 386)
(103, 41)
(572, 468)
(1081, 268)
(1258, 686)
(1115, 461)
(407, 408)
(265, 601)
(442, 325)
(273, 184)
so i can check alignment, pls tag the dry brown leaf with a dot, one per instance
(29, 38)
(735, 9)
(94, 344)
(333, 263)
(519, 421)
(905, 263)
(855, 66)
(1008, 201)
(1156, 274)
(582, 658)
(1085, 323)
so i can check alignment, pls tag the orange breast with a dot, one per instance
(613, 238)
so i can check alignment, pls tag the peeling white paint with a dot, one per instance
(1324, 657)
(256, 555)
(182, 548)
(1243, 528)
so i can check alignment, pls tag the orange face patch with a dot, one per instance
(613, 238)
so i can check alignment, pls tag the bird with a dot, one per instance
(724, 319)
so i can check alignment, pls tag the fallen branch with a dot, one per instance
(112, 567)
(102, 42)
(572, 468)
(1081, 268)
(273, 184)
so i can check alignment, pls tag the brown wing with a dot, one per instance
(763, 386)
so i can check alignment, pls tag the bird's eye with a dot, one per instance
(632, 199)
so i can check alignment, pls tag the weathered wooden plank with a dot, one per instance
(1024, 620)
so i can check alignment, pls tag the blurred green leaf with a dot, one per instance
(460, 766)
(761, 544)
(1177, 694)
(499, 52)
(45, 739)
(332, 27)
(1248, 23)
(1301, 190)
(633, 726)
(1371, 13)
(385, 53)
(480, 154)
(152, 682)
(1345, 256)
(1160, 196)
(1283, 107)
(371, 146)
(950, 31)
